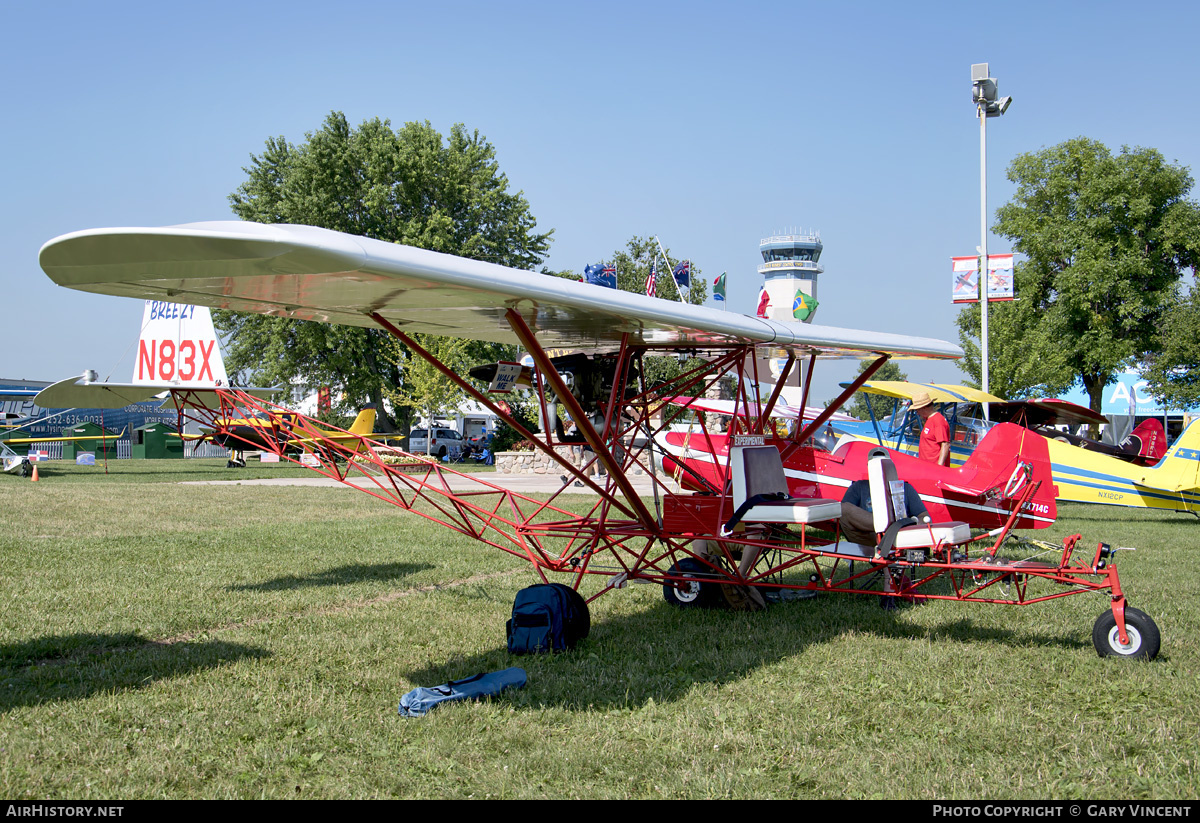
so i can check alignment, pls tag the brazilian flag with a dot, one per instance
(804, 306)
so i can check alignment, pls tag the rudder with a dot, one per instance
(1179, 470)
(364, 424)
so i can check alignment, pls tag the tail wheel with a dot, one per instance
(691, 594)
(1144, 638)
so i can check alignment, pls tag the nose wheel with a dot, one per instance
(1140, 629)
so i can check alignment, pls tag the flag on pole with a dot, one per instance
(764, 303)
(804, 306)
(652, 280)
(601, 274)
(682, 274)
(719, 288)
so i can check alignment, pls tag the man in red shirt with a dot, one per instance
(935, 432)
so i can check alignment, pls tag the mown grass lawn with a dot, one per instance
(160, 640)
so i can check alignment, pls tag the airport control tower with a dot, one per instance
(790, 264)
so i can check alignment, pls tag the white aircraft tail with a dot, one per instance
(178, 347)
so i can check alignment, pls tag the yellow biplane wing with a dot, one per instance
(938, 392)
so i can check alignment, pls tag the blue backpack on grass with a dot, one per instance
(549, 617)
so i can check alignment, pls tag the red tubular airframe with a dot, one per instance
(673, 537)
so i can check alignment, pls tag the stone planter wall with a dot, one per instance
(538, 462)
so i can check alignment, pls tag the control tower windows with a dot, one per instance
(773, 255)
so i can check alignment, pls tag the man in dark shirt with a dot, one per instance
(858, 521)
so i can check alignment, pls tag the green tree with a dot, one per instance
(633, 268)
(1015, 331)
(1106, 239)
(422, 387)
(865, 403)
(409, 186)
(1173, 371)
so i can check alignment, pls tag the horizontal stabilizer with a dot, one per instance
(82, 393)
(963, 490)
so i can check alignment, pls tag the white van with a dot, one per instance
(446, 442)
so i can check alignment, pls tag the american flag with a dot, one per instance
(652, 281)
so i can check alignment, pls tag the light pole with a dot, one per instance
(984, 94)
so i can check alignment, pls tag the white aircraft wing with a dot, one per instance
(308, 273)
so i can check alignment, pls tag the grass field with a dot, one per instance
(160, 640)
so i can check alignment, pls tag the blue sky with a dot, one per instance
(711, 125)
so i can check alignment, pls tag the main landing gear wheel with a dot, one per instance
(1144, 638)
(692, 594)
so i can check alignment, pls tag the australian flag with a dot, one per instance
(601, 274)
(682, 274)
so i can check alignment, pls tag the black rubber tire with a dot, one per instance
(441, 453)
(694, 595)
(1144, 637)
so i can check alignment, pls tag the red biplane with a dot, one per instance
(828, 462)
(742, 530)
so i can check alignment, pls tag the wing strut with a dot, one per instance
(483, 399)
(783, 376)
(615, 471)
(833, 406)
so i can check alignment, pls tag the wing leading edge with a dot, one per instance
(308, 273)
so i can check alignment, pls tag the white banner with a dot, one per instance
(1000, 277)
(965, 281)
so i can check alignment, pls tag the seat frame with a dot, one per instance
(757, 472)
(897, 530)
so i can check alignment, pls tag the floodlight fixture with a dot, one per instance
(983, 92)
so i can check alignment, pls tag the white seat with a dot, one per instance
(759, 470)
(933, 534)
(887, 506)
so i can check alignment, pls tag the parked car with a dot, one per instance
(446, 442)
